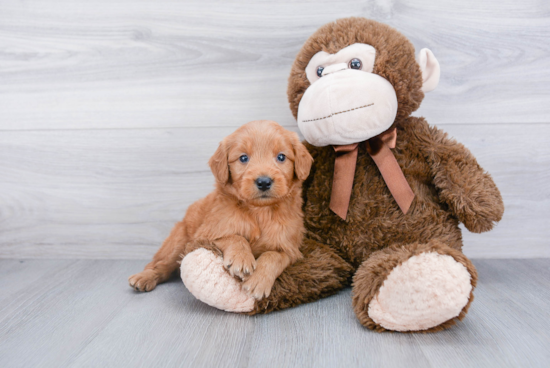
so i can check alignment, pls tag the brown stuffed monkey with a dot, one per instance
(386, 193)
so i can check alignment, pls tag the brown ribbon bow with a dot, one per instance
(344, 170)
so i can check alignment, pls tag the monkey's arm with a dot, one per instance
(463, 185)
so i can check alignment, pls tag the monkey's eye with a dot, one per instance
(281, 157)
(355, 64)
(320, 71)
(243, 159)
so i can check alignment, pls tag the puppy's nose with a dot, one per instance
(264, 183)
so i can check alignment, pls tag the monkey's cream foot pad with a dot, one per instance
(204, 276)
(421, 293)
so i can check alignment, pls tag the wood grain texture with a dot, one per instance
(82, 313)
(117, 193)
(127, 64)
(109, 110)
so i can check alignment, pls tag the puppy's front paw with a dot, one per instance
(239, 262)
(258, 286)
(143, 281)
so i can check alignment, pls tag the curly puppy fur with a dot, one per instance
(259, 231)
(449, 185)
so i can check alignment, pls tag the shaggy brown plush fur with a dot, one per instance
(449, 185)
(322, 272)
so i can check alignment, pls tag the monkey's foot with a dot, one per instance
(423, 292)
(205, 277)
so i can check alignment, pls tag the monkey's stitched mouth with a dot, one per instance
(339, 112)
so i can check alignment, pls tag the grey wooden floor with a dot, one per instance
(58, 313)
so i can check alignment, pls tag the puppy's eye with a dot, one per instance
(320, 71)
(355, 64)
(281, 157)
(243, 159)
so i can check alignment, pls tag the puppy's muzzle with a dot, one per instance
(264, 183)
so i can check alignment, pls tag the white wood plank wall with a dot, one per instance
(109, 110)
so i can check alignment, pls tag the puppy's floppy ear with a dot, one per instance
(219, 165)
(302, 158)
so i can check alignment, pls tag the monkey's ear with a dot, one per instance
(302, 159)
(219, 165)
(430, 70)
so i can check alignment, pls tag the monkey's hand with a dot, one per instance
(464, 186)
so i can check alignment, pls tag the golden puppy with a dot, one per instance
(254, 216)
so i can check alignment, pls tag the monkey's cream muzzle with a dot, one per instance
(347, 103)
(346, 106)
